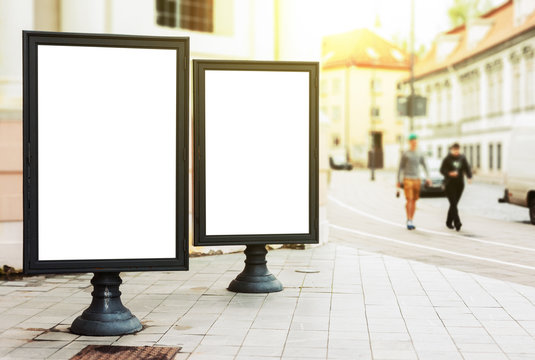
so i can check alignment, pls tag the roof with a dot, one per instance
(363, 48)
(501, 29)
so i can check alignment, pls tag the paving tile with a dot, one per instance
(232, 339)
(349, 353)
(442, 346)
(269, 351)
(306, 352)
(310, 323)
(187, 342)
(68, 351)
(484, 356)
(391, 345)
(107, 339)
(216, 350)
(395, 354)
(6, 350)
(439, 355)
(30, 353)
(304, 338)
(46, 344)
(265, 337)
(479, 348)
(56, 335)
(12, 343)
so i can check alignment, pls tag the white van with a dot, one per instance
(520, 178)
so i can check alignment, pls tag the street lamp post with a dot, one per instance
(374, 113)
(411, 104)
(372, 125)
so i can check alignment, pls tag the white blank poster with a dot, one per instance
(257, 152)
(107, 152)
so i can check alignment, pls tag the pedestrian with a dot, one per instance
(409, 177)
(454, 167)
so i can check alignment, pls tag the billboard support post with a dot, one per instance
(106, 316)
(255, 277)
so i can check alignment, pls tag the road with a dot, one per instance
(496, 240)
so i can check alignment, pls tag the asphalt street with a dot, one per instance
(496, 240)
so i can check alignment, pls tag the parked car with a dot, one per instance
(437, 179)
(338, 160)
(520, 178)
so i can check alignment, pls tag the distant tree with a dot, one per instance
(400, 41)
(463, 10)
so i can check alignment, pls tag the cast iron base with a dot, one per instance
(106, 316)
(255, 277)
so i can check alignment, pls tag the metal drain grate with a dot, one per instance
(108, 352)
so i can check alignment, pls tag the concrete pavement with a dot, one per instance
(496, 239)
(381, 292)
(361, 305)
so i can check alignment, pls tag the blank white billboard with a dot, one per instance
(257, 131)
(107, 152)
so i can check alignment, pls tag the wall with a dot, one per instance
(354, 101)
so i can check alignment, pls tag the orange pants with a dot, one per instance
(411, 187)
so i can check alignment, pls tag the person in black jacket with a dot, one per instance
(454, 167)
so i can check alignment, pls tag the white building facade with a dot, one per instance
(483, 92)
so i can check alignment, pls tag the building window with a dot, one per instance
(516, 96)
(196, 15)
(478, 156)
(491, 158)
(495, 87)
(323, 88)
(471, 153)
(439, 105)
(376, 85)
(337, 86)
(336, 114)
(448, 107)
(470, 94)
(498, 156)
(530, 77)
(375, 112)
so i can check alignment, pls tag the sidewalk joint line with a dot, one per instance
(431, 248)
(377, 218)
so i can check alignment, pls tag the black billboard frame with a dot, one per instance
(199, 174)
(31, 263)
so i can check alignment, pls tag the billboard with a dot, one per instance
(256, 152)
(105, 152)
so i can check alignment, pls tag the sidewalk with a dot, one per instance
(359, 306)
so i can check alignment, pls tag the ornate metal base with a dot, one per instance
(106, 316)
(255, 277)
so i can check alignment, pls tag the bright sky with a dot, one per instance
(431, 17)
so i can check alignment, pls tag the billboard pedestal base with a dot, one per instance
(255, 277)
(106, 316)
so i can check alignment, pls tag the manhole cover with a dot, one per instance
(108, 352)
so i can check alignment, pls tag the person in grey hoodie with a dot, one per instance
(409, 177)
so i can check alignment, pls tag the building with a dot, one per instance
(479, 79)
(218, 29)
(360, 72)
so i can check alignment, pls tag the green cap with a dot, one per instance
(413, 136)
